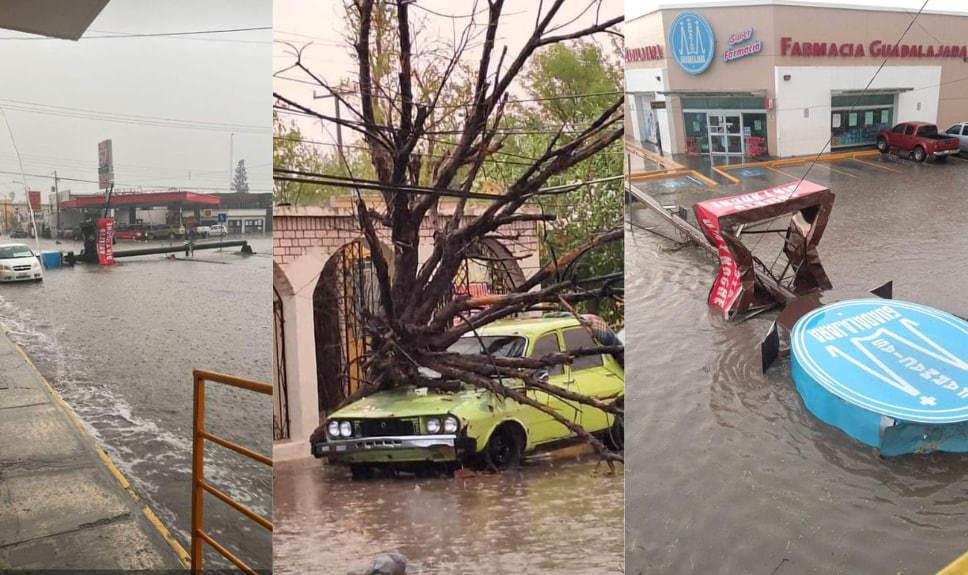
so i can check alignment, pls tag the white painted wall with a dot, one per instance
(650, 80)
(810, 87)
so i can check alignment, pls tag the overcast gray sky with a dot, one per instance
(222, 80)
(636, 8)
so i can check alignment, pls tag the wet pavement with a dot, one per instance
(119, 344)
(548, 517)
(731, 473)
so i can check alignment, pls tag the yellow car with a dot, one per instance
(411, 426)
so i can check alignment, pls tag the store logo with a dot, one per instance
(693, 42)
(902, 360)
(741, 47)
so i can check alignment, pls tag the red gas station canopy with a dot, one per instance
(142, 200)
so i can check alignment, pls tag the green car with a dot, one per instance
(412, 426)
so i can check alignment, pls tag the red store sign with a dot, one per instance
(875, 49)
(644, 54)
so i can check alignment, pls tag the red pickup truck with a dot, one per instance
(922, 140)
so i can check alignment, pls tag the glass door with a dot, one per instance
(725, 134)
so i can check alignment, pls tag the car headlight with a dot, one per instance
(451, 424)
(333, 429)
(433, 425)
(345, 429)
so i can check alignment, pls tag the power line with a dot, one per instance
(145, 34)
(127, 185)
(156, 121)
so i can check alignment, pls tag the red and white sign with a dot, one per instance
(875, 49)
(33, 198)
(644, 53)
(728, 285)
(105, 235)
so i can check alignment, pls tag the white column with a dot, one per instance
(300, 375)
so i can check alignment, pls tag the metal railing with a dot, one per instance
(200, 486)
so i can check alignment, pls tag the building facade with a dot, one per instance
(781, 78)
(323, 278)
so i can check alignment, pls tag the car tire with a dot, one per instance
(919, 154)
(615, 437)
(361, 471)
(882, 146)
(504, 449)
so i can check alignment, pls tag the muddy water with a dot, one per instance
(727, 471)
(120, 344)
(549, 517)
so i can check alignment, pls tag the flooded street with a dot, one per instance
(732, 474)
(547, 517)
(120, 343)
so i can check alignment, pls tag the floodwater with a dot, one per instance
(728, 472)
(120, 343)
(548, 517)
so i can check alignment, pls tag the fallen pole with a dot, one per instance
(181, 248)
(781, 292)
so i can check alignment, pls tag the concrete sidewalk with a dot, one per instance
(63, 504)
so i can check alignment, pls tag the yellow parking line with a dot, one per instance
(722, 172)
(958, 567)
(844, 172)
(872, 164)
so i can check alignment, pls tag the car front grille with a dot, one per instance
(384, 427)
(21, 268)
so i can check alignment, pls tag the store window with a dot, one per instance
(857, 119)
(697, 136)
(754, 134)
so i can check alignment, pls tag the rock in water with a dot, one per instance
(388, 564)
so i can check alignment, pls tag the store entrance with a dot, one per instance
(725, 134)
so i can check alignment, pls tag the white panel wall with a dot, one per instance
(810, 87)
(650, 80)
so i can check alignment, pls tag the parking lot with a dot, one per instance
(885, 174)
(820, 501)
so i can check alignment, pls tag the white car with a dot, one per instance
(19, 263)
(960, 131)
(218, 230)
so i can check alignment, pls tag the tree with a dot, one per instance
(432, 122)
(240, 183)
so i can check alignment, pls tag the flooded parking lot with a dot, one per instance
(732, 474)
(119, 344)
(548, 517)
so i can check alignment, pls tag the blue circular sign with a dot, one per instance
(893, 358)
(692, 42)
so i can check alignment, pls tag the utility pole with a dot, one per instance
(57, 199)
(339, 126)
(231, 161)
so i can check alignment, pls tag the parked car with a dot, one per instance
(160, 231)
(922, 140)
(18, 233)
(959, 131)
(218, 230)
(414, 425)
(129, 232)
(19, 263)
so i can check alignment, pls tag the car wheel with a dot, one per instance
(504, 449)
(882, 146)
(361, 471)
(919, 154)
(615, 440)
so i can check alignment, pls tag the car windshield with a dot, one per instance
(498, 345)
(10, 252)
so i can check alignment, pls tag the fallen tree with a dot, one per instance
(422, 151)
